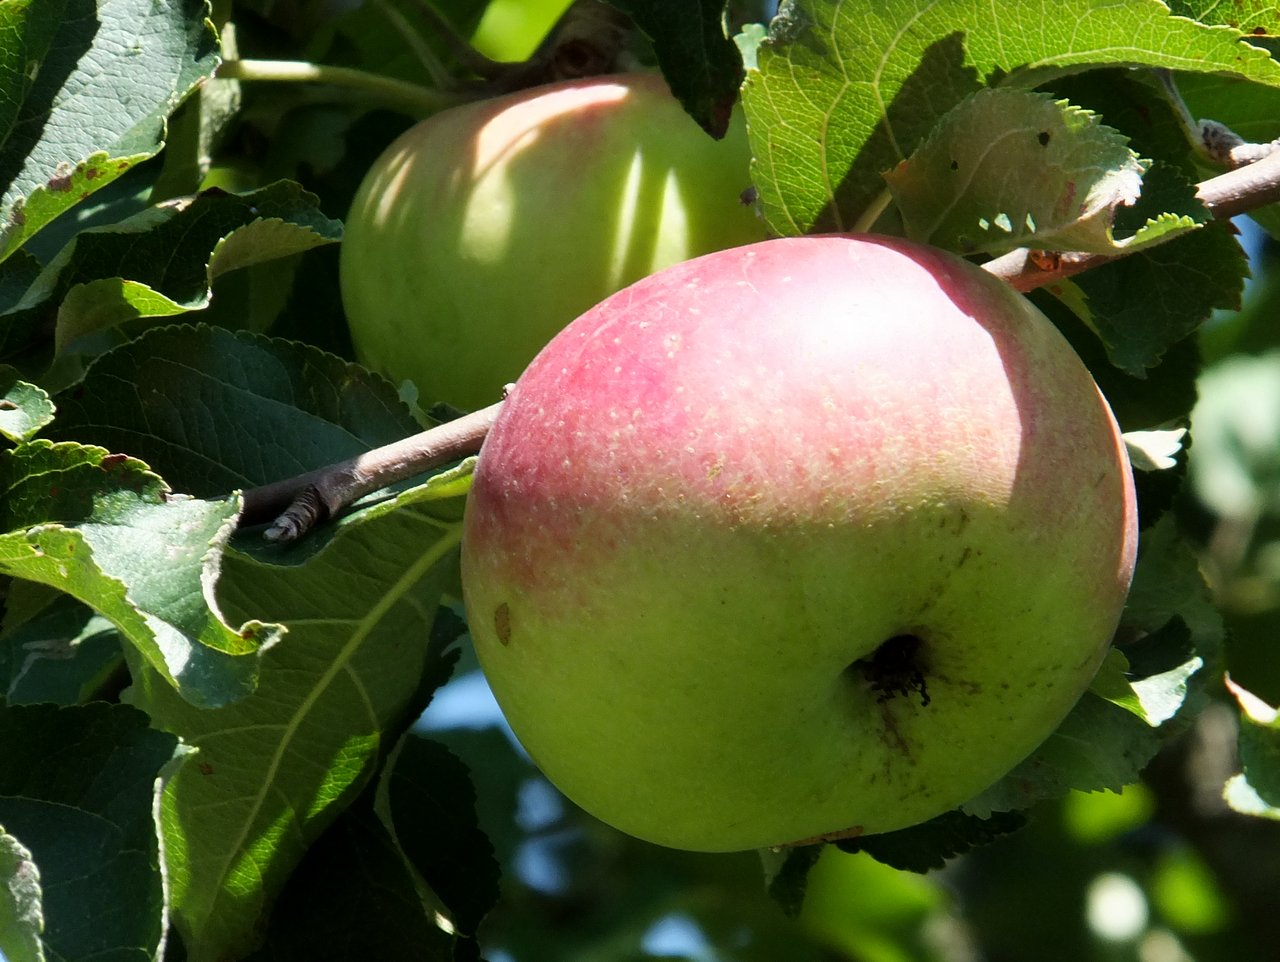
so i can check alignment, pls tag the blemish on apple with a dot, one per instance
(502, 623)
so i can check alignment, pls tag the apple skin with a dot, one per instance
(708, 502)
(485, 229)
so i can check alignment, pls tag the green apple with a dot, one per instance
(485, 229)
(812, 537)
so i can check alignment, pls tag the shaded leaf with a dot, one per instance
(351, 900)
(433, 811)
(1143, 304)
(929, 846)
(97, 85)
(272, 771)
(216, 411)
(165, 260)
(1009, 168)
(60, 653)
(786, 874)
(1259, 743)
(1168, 585)
(702, 65)
(843, 93)
(1098, 746)
(21, 914)
(88, 823)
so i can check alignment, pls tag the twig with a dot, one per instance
(317, 495)
(299, 504)
(1229, 194)
(416, 99)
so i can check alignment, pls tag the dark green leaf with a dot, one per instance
(352, 899)
(105, 78)
(21, 912)
(1143, 304)
(164, 261)
(87, 821)
(358, 600)
(217, 411)
(60, 653)
(433, 812)
(786, 874)
(273, 770)
(701, 64)
(1099, 746)
(1168, 584)
(1259, 745)
(928, 846)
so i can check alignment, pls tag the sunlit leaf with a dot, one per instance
(844, 93)
(89, 98)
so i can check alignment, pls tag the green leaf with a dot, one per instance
(222, 411)
(786, 874)
(165, 260)
(273, 770)
(1099, 746)
(928, 846)
(1168, 585)
(95, 86)
(433, 814)
(1072, 173)
(1259, 743)
(90, 523)
(1244, 798)
(1155, 698)
(21, 914)
(54, 649)
(702, 65)
(1257, 17)
(843, 92)
(352, 900)
(1143, 304)
(24, 408)
(87, 821)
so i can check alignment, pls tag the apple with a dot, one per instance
(485, 229)
(812, 537)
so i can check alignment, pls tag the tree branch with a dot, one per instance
(299, 504)
(313, 497)
(1235, 192)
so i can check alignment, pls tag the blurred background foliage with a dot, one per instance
(1164, 872)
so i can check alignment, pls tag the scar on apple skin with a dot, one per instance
(502, 623)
